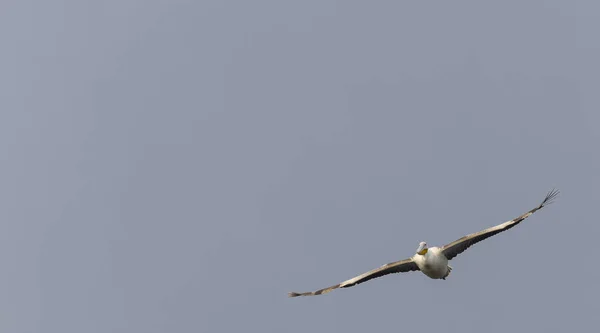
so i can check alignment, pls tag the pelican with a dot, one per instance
(432, 261)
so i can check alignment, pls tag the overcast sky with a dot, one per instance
(179, 166)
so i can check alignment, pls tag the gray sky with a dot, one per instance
(179, 166)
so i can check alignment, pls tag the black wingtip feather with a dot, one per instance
(550, 197)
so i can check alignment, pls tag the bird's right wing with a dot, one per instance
(401, 266)
(460, 245)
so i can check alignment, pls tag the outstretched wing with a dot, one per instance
(457, 247)
(406, 265)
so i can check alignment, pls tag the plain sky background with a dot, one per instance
(179, 166)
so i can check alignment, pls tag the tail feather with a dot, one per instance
(449, 270)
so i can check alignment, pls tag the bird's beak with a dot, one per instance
(422, 249)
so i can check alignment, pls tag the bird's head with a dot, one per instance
(422, 249)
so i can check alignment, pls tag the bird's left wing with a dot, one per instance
(460, 245)
(405, 265)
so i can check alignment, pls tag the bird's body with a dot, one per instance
(433, 262)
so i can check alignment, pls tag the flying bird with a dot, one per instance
(432, 261)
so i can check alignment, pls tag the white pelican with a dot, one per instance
(433, 261)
